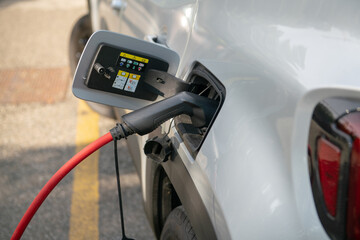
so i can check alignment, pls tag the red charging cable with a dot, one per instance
(55, 179)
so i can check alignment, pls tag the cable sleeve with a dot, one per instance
(121, 130)
(55, 179)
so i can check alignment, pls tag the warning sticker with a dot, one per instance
(120, 80)
(132, 82)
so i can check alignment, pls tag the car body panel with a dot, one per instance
(277, 60)
(172, 20)
(283, 62)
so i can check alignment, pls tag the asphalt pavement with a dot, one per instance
(37, 136)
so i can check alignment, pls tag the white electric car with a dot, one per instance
(280, 158)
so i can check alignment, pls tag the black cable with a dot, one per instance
(171, 122)
(119, 192)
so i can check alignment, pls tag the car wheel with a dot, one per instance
(80, 34)
(177, 226)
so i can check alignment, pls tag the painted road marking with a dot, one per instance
(84, 219)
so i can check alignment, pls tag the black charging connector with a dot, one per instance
(143, 121)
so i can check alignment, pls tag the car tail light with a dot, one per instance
(328, 156)
(334, 158)
(351, 125)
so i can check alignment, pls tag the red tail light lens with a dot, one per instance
(353, 226)
(334, 164)
(351, 125)
(329, 167)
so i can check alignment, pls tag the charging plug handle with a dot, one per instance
(145, 120)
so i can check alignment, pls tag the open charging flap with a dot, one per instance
(125, 72)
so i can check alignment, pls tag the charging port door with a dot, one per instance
(113, 68)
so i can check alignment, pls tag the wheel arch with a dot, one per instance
(169, 185)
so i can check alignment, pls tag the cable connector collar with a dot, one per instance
(121, 130)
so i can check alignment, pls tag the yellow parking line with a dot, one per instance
(85, 197)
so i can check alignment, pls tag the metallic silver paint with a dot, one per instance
(277, 60)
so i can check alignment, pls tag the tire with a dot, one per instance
(80, 34)
(177, 226)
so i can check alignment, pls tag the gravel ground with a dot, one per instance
(36, 139)
(36, 33)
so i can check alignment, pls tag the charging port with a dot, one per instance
(203, 83)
